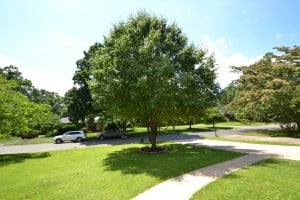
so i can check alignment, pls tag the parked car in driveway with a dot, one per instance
(77, 136)
(113, 133)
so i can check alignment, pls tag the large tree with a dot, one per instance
(78, 99)
(147, 70)
(269, 90)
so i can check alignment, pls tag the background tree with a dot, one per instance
(226, 97)
(146, 70)
(269, 89)
(18, 115)
(78, 99)
(76, 105)
(227, 94)
(23, 85)
(35, 95)
(54, 100)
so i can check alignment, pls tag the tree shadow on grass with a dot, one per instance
(179, 159)
(196, 130)
(279, 133)
(8, 159)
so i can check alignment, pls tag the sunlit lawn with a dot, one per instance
(268, 180)
(115, 172)
(195, 128)
(248, 140)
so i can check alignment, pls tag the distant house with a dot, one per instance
(99, 126)
(65, 120)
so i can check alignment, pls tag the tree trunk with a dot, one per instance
(148, 132)
(153, 133)
(190, 123)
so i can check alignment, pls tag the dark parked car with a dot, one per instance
(113, 133)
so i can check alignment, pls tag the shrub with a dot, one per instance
(214, 115)
(2, 136)
(62, 129)
(111, 125)
(85, 130)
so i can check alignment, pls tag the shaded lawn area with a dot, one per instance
(116, 172)
(270, 179)
(273, 133)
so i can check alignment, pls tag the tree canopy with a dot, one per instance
(147, 70)
(78, 99)
(35, 95)
(25, 109)
(269, 90)
(18, 115)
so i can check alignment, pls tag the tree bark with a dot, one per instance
(153, 133)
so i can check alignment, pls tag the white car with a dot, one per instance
(77, 136)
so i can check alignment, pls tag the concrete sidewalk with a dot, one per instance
(183, 187)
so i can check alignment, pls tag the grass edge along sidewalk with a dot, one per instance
(184, 186)
(268, 179)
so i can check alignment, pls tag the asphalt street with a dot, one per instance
(186, 137)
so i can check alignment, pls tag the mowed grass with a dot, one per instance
(272, 179)
(115, 172)
(141, 131)
(252, 141)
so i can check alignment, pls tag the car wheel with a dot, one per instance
(101, 137)
(58, 141)
(79, 139)
(123, 136)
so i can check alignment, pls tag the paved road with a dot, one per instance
(168, 137)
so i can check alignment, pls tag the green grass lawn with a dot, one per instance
(141, 131)
(269, 180)
(251, 141)
(8, 139)
(115, 172)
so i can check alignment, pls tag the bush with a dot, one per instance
(111, 125)
(85, 130)
(217, 117)
(2, 136)
(290, 129)
(64, 128)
